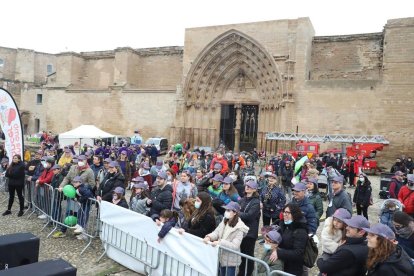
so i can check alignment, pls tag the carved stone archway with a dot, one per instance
(230, 56)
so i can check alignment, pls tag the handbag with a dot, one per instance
(311, 253)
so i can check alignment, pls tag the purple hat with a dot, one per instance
(342, 214)
(410, 177)
(107, 160)
(77, 179)
(162, 175)
(113, 164)
(399, 173)
(274, 236)
(382, 230)
(339, 178)
(234, 206)
(55, 167)
(357, 222)
(218, 177)
(140, 185)
(124, 152)
(252, 184)
(119, 190)
(138, 179)
(299, 187)
(218, 166)
(271, 175)
(82, 157)
(312, 180)
(227, 180)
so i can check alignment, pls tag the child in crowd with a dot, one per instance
(84, 192)
(272, 240)
(139, 196)
(168, 219)
(118, 197)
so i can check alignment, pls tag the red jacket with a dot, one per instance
(241, 161)
(406, 197)
(46, 177)
(224, 165)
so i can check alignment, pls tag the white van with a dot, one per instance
(160, 143)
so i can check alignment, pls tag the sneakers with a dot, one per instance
(82, 237)
(20, 214)
(78, 230)
(42, 217)
(7, 212)
(59, 234)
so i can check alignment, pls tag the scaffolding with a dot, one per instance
(327, 138)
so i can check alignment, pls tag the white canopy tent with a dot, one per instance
(84, 134)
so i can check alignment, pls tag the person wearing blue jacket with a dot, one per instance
(229, 192)
(168, 219)
(83, 193)
(306, 206)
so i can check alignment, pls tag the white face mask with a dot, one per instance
(44, 165)
(267, 246)
(228, 215)
(81, 164)
(197, 205)
(361, 179)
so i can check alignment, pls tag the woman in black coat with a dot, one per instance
(362, 195)
(202, 221)
(16, 174)
(114, 178)
(294, 233)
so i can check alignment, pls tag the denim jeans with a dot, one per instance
(227, 271)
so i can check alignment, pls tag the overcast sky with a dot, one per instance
(84, 25)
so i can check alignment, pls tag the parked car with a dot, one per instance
(160, 143)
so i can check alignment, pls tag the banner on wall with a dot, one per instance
(186, 248)
(11, 125)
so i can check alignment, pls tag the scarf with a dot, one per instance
(406, 232)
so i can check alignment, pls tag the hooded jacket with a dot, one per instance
(108, 185)
(161, 199)
(398, 263)
(231, 241)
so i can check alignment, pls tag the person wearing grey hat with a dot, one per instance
(228, 261)
(113, 179)
(333, 232)
(216, 187)
(118, 197)
(273, 200)
(299, 197)
(219, 160)
(250, 215)
(350, 258)
(339, 198)
(162, 196)
(80, 169)
(385, 256)
(404, 231)
(84, 192)
(272, 241)
(397, 182)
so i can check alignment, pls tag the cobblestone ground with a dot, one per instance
(69, 248)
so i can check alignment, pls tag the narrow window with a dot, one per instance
(1, 62)
(49, 69)
(39, 99)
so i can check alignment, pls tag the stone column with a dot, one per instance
(237, 128)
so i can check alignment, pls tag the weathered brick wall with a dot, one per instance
(354, 57)
(42, 60)
(8, 55)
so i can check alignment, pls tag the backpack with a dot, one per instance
(311, 253)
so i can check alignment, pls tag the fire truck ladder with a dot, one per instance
(338, 138)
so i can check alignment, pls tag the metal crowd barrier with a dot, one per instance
(4, 193)
(42, 198)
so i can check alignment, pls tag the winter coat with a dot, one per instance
(84, 192)
(86, 175)
(406, 197)
(161, 199)
(316, 201)
(406, 240)
(205, 225)
(202, 183)
(330, 242)
(123, 203)
(96, 170)
(349, 259)
(398, 263)
(65, 160)
(56, 180)
(224, 165)
(214, 193)
(394, 187)
(46, 176)
(250, 215)
(276, 265)
(273, 199)
(16, 174)
(232, 241)
(228, 198)
(37, 172)
(139, 205)
(287, 175)
(108, 185)
(292, 248)
(35, 163)
(247, 171)
(339, 200)
(167, 227)
(363, 192)
(309, 214)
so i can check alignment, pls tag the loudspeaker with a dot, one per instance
(56, 267)
(18, 249)
(385, 181)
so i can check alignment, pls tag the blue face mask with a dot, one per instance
(288, 221)
(267, 246)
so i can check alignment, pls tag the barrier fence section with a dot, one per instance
(4, 192)
(42, 198)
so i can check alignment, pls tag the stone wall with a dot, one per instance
(353, 57)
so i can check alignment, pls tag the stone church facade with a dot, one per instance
(230, 83)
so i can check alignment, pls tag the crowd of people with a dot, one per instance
(221, 197)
